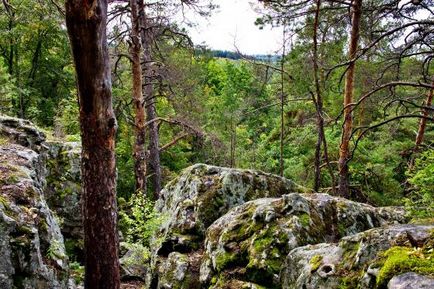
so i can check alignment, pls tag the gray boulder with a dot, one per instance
(365, 260)
(191, 203)
(63, 189)
(250, 242)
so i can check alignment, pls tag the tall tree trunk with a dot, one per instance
(11, 46)
(151, 111)
(139, 151)
(86, 23)
(344, 149)
(154, 146)
(319, 110)
(425, 113)
(282, 105)
(317, 101)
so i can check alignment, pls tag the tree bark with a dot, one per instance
(282, 105)
(318, 101)
(425, 113)
(151, 111)
(344, 149)
(86, 24)
(139, 151)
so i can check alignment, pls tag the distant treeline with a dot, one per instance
(236, 55)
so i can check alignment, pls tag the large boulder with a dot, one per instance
(377, 258)
(250, 242)
(32, 251)
(190, 204)
(63, 191)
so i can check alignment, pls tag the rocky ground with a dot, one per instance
(223, 228)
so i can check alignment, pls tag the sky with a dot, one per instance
(232, 27)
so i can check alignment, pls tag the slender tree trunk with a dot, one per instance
(318, 101)
(19, 84)
(86, 23)
(282, 119)
(139, 151)
(11, 47)
(151, 110)
(344, 149)
(154, 147)
(319, 109)
(35, 60)
(425, 113)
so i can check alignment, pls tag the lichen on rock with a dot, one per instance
(245, 244)
(31, 244)
(32, 247)
(199, 196)
(369, 259)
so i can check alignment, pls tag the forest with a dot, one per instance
(343, 110)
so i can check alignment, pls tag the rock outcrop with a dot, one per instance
(62, 191)
(251, 241)
(229, 228)
(372, 259)
(191, 203)
(32, 251)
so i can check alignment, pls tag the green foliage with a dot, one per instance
(232, 107)
(138, 219)
(8, 89)
(36, 55)
(420, 203)
(141, 254)
(125, 162)
(76, 272)
(55, 251)
(67, 121)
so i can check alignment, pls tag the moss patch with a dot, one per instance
(315, 262)
(3, 140)
(304, 219)
(398, 260)
(228, 259)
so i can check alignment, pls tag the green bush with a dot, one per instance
(138, 219)
(420, 202)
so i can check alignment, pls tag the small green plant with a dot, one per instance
(77, 272)
(73, 138)
(141, 254)
(138, 219)
(55, 251)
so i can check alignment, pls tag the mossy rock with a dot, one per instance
(366, 260)
(258, 235)
(199, 196)
(398, 260)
